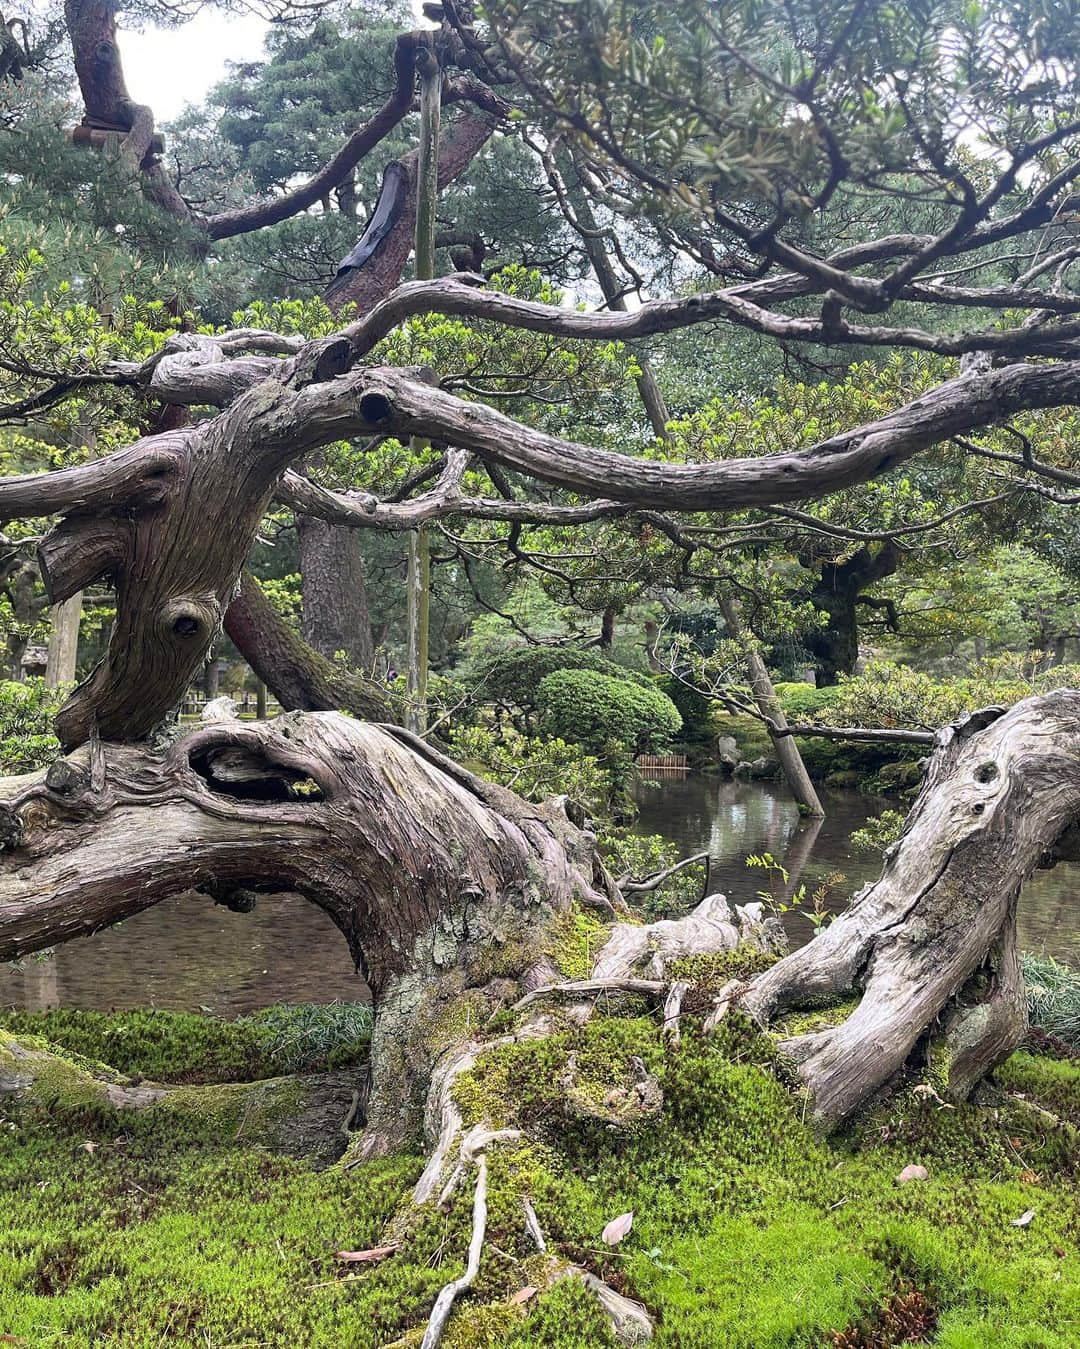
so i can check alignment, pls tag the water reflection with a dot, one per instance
(190, 953)
(734, 819)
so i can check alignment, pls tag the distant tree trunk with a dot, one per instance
(838, 592)
(212, 677)
(334, 592)
(20, 579)
(652, 633)
(607, 628)
(298, 676)
(64, 641)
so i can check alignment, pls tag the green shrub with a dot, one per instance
(606, 715)
(695, 708)
(894, 695)
(879, 832)
(309, 1036)
(535, 769)
(515, 677)
(26, 713)
(804, 702)
(639, 856)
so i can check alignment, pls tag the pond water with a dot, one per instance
(732, 819)
(190, 954)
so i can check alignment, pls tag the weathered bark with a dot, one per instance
(448, 889)
(298, 676)
(930, 947)
(395, 403)
(444, 886)
(177, 512)
(110, 111)
(91, 26)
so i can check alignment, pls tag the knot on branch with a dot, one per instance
(11, 830)
(320, 362)
(67, 779)
(190, 619)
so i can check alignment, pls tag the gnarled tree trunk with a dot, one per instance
(449, 892)
(443, 886)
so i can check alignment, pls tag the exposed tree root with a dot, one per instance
(583, 988)
(646, 950)
(672, 1010)
(444, 1303)
(630, 1322)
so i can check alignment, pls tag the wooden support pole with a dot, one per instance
(798, 779)
(418, 582)
(64, 641)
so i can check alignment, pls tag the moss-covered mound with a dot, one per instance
(169, 1046)
(136, 1229)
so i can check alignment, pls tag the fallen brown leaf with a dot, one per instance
(368, 1257)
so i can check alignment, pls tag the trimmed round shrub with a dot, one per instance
(515, 678)
(595, 710)
(694, 707)
(803, 702)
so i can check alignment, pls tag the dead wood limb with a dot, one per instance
(930, 947)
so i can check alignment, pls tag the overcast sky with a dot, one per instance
(168, 67)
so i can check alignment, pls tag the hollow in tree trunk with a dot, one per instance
(445, 887)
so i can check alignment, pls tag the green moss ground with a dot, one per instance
(748, 1230)
(167, 1046)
